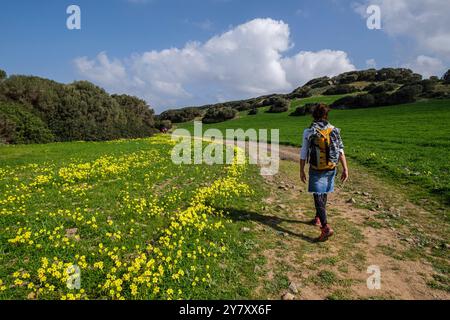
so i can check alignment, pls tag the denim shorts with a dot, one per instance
(321, 181)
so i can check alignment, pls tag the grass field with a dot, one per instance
(408, 143)
(136, 225)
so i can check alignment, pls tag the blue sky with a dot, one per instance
(110, 49)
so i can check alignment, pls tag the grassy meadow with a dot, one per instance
(136, 225)
(408, 143)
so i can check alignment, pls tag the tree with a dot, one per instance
(219, 114)
(279, 105)
(299, 111)
(81, 110)
(19, 125)
(302, 92)
(253, 112)
(446, 77)
(3, 75)
(340, 89)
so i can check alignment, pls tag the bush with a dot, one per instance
(140, 120)
(181, 115)
(81, 110)
(302, 92)
(340, 89)
(20, 125)
(319, 82)
(399, 75)
(406, 94)
(344, 102)
(279, 105)
(347, 77)
(3, 74)
(435, 79)
(385, 87)
(253, 112)
(218, 114)
(364, 101)
(370, 87)
(428, 86)
(163, 124)
(299, 112)
(243, 106)
(446, 77)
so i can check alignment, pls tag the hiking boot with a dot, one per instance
(327, 232)
(316, 222)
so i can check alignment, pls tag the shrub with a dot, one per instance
(319, 82)
(446, 77)
(370, 87)
(161, 124)
(385, 87)
(181, 115)
(428, 85)
(20, 125)
(81, 110)
(340, 89)
(344, 102)
(347, 77)
(253, 112)
(364, 101)
(406, 94)
(399, 75)
(302, 92)
(279, 105)
(3, 74)
(299, 112)
(219, 114)
(435, 79)
(243, 106)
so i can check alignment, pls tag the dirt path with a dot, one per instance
(375, 225)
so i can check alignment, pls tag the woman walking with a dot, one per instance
(323, 149)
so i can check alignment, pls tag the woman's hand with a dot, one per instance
(303, 176)
(344, 176)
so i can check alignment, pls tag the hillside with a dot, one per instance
(371, 88)
(379, 138)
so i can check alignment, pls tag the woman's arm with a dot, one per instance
(303, 156)
(302, 170)
(343, 160)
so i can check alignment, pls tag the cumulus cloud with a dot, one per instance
(425, 22)
(102, 70)
(307, 65)
(243, 62)
(426, 66)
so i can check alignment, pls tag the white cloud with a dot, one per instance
(427, 66)
(102, 70)
(307, 65)
(424, 21)
(245, 61)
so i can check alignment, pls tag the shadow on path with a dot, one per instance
(270, 221)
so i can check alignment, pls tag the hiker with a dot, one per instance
(323, 149)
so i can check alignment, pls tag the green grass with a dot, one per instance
(406, 143)
(126, 200)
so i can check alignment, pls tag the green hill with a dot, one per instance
(408, 143)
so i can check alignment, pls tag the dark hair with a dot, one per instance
(321, 112)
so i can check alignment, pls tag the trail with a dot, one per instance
(375, 224)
